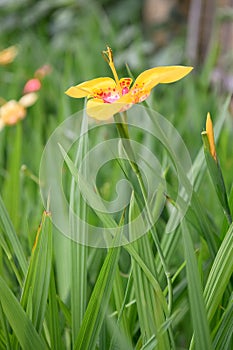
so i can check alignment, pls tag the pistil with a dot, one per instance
(108, 57)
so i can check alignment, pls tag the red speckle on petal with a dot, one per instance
(125, 90)
(125, 82)
(108, 95)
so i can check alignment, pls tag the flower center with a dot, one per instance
(108, 96)
(125, 90)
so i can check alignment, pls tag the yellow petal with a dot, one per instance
(11, 112)
(88, 87)
(210, 135)
(125, 82)
(7, 55)
(161, 75)
(28, 99)
(97, 109)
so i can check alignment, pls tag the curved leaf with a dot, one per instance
(19, 321)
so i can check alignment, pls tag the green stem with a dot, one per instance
(123, 132)
(122, 127)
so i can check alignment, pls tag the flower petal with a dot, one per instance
(7, 55)
(32, 85)
(97, 109)
(125, 82)
(89, 87)
(139, 93)
(108, 96)
(28, 99)
(11, 112)
(210, 135)
(41, 72)
(161, 75)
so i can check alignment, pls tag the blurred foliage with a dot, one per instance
(70, 35)
(72, 25)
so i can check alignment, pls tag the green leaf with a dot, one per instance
(19, 321)
(150, 344)
(205, 226)
(87, 190)
(11, 244)
(223, 337)
(120, 340)
(198, 312)
(150, 309)
(78, 251)
(98, 303)
(95, 313)
(119, 299)
(198, 211)
(65, 310)
(217, 177)
(219, 275)
(54, 317)
(132, 251)
(37, 281)
(5, 336)
(11, 190)
(109, 222)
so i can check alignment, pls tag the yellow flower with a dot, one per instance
(210, 135)
(13, 111)
(8, 55)
(107, 96)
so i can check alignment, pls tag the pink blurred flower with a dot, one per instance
(41, 72)
(32, 85)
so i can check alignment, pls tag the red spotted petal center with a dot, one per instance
(110, 94)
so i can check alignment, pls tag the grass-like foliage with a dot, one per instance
(140, 255)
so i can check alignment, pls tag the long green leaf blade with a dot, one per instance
(11, 190)
(54, 317)
(150, 309)
(197, 306)
(219, 275)
(97, 305)
(78, 251)
(11, 237)
(224, 336)
(19, 321)
(38, 277)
